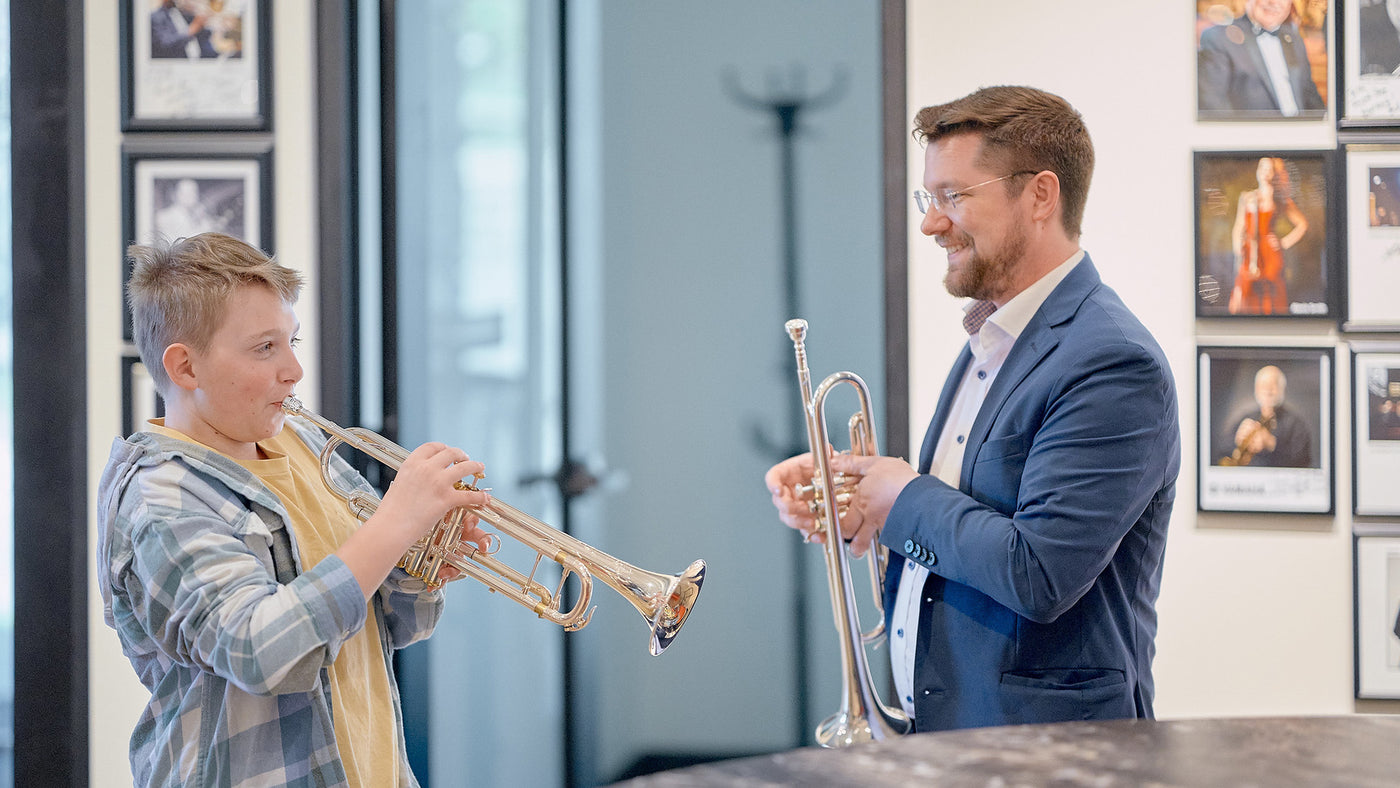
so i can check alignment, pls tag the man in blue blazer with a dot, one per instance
(1256, 66)
(179, 29)
(1027, 546)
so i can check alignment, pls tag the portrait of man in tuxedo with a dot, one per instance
(1256, 66)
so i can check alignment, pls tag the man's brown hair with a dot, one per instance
(179, 291)
(1021, 129)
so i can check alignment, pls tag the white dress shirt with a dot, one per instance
(1272, 49)
(990, 346)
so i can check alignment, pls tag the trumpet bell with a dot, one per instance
(671, 608)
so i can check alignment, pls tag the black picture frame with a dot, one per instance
(1368, 57)
(177, 189)
(219, 79)
(1236, 279)
(140, 401)
(1294, 472)
(1371, 242)
(1232, 83)
(1375, 429)
(1375, 608)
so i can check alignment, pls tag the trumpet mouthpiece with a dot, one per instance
(796, 328)
(292, 405)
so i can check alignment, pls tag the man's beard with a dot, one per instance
(986, 278)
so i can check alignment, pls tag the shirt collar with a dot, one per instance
(1013, 317)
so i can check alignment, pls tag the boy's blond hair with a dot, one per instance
(179, 290)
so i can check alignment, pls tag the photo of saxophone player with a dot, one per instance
(1274, 435)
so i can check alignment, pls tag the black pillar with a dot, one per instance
(50, 403)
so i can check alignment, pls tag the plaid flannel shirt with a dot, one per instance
(235, 660)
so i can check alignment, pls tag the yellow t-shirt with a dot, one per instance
(365, 730)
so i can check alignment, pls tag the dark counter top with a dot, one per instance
(1270, 752)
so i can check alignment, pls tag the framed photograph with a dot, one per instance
(1372, 238)
(196, 64)
(1263, 246)
(1265, 419)
(1376, 585)
(1267, 62)
(140, 402)
(1375, 441)
(1369, 79)
(172, 192)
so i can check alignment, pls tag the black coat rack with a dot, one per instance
(787, 99)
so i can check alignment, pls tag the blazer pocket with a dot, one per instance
(1064, 678)
(1001, 448)
(1066, 694)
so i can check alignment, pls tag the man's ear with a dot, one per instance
(178, 360)
(1045, 188)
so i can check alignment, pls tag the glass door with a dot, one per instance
(476, 335)
(615, 325)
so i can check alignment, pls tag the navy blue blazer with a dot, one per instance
(167, 42)
(1231, 78)
(1046, 562)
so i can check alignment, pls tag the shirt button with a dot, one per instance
(909, 698)
(961, 438)
(899, 632)
(981, 374)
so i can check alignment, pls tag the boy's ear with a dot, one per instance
(179, 366)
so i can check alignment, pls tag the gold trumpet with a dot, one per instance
(665, 601)
(863, 716)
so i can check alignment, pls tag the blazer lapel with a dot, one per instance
(1040, 336)
(1251, 47)
(1298, 73)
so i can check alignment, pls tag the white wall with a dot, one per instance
(115, 696)
(1255, 611)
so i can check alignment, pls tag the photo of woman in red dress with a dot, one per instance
(1263, 212)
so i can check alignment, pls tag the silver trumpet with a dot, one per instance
(863, 716)
(663, 600)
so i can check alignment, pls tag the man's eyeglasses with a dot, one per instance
(944, 200)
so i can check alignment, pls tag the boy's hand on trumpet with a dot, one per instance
(426, 486)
